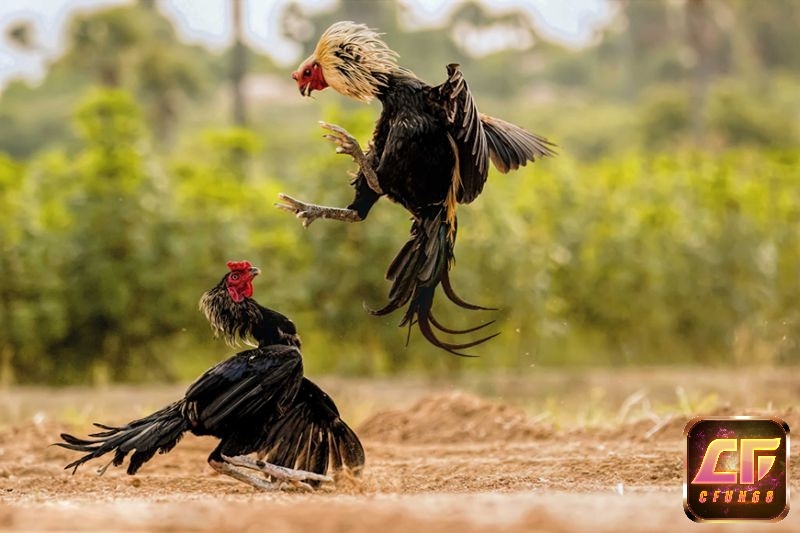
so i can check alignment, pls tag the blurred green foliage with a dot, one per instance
(666, 231)
(630, 259)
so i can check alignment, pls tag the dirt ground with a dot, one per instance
(599, 451)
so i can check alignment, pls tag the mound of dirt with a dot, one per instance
(453, 417)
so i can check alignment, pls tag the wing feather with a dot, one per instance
(258, 383)
(311, 436)
(466, 128)
(511, 147)
(480, 137)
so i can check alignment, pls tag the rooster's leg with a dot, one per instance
(349, 145)
(254, 481)
(277, 472)
(308, 213)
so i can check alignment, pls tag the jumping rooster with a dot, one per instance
(255, 402)
(429, 152)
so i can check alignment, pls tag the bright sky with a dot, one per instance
(208, 22)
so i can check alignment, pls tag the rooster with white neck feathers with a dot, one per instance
(429, 152)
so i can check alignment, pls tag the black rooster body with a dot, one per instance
(255, 402)
(429, 152)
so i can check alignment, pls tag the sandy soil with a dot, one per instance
(444, 461)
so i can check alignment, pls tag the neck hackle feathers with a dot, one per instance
(232, 320)
(354, 60)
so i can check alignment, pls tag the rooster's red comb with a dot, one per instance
(239, 265)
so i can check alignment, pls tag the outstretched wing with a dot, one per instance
(479, 137)
(311, 436)
(260, 383)
(511, 147)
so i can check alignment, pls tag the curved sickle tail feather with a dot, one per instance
(158, 432)
(312, 437)
(456, 299)
(417, 269)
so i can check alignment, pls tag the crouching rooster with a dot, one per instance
(429, 152)
(256, 402)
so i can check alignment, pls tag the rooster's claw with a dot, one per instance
(347, 144)
(308, 213)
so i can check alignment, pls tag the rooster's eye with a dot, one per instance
(234, 277)
(306, 73)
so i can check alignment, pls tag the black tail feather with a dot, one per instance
(158, 432)
(408, 333)
(422, 264)
(103, 426)
(456, 299)
(424, 323)
(427, 332)
(435, 323)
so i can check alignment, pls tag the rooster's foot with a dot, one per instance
(349, 145)
(308, 213)
(255, 481)
(280, 473)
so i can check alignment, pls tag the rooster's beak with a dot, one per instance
(301, 87)
(255, 271)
